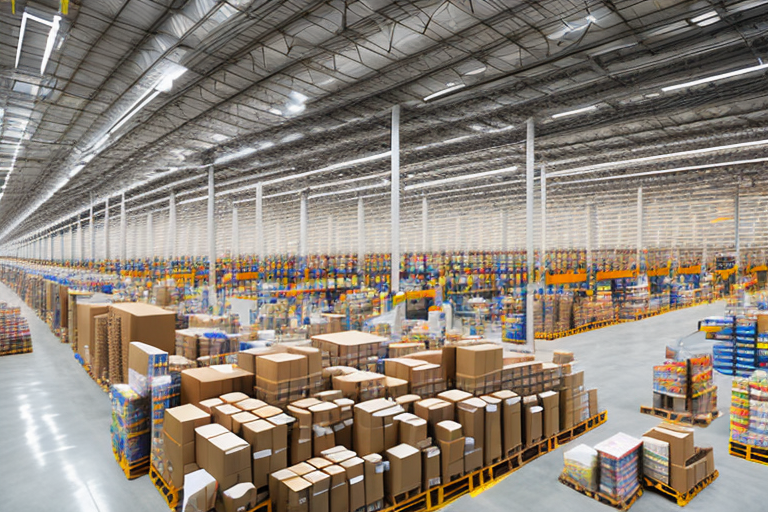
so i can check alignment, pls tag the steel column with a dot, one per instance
(395, 201)
(211, 240)
(123, 231)
(529, 198)
(360, 234)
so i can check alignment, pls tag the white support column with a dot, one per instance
(543, 250)
(457, 234)
(235, 246)
(425, 238)
(529, 198)
(106, 229)
(395, 201)
(61, 246)
(737, 240)
(150, 252)
(360, 235)
(504, 230)
(331, 235)
(123, 231)
(72, 242)
(170, 244)
(211, 240)
(92, 234)
(303, 220)
(51, 243)
(640, 225)
(590, 235)
(260, 252)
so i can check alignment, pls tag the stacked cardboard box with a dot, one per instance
(478, 368)
(511, 419)
(179, 442)
(526, 378)
(425, 379)
(361, 385)
(281, 378)
(574, 401)
(619, 458)
(451, 442)
(198, 384)
(375, 429)
(470, 413)
(404, 349)
(685, 465)
(534, 415)
(550, 404)
(100, 352)
(404, 473)
(314, 366)
(350, 348)
(269, 450)
(395, 388)
(434, 410)
(86, 327)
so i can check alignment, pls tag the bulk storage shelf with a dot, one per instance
(440, 496)
(601, 497)
(700, 420)
(682, 498)
(748, 452)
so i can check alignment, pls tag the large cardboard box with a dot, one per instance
(297, 491)
(205, 497)
(278, 493)
(267, 442)
(179, 440)
(473, 456)
(203, 436)
(325, 414)
(451, 459)
(145, 323)
(322, 439)
(407, 401)
(434, 410)
(448, 431)
(145, 362)
(471, 414)
(361, 386)
(412, 430)
(511, 420)
(404, 470)
(430, 467)
(319, 497)
(492, 449)
(86, 325)
(395, 387)
(339, 493)
(240, 419)
(550, 403)
(533, 424)
(400, 368)
(355, 469)
(449, 363)
(369, 426)
(374, 481)
(430, 356)
(229, 460)
(593, 409)
(239, 497)
(198, 384)
(349, 348)
(343, 433)
(454, 395)
(680, 444)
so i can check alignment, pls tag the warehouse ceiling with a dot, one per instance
(137, 96)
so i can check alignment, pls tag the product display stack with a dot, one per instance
(749, 410)
(130, 429)
(14, 331)
(620, 470)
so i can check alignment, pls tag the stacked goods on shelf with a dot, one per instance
(14, 331)
(620, 471)
(595, 309)
(746, 346)
(635, 303)
(749, 409)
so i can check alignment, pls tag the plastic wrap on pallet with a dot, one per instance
(581, 465)
(163, 395)
(131, 425)
(619, 465)
(656, 459)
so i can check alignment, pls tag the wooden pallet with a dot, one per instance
(682, 499)
(599, 496)
(748, 452)
(702, 420)
(171, 495)
(135, 470)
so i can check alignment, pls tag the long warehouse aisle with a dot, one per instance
(618, 361)
(55, 448)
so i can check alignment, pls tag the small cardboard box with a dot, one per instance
(355, 469)
(210, 404)
(471, 414)
(222, 414)
(240, 419)
(404, 470)
(319, 498)
(430, 467)
(229, 460)
(203, 435)
(473, 456)
(233, 398)
(407, 401)
(249, 405)
(239, 497)
(454, 395)
(297, 493)
(205, 497)
(448, 431)
(511, 420)
(339, 494)
(551, 413)
(434, 410)
(374, 479)
(180, 423)
(325, 414)
(412, 430)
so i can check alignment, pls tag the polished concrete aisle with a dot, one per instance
(55, 448)
(618, 361)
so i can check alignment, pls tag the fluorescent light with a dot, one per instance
(195, 200)
(101, 142)
(710, 21)
(704, 16)
(460, 178)
(476, 71)
(333, 167)
(76, 170)
(52, 33)
(298, 97)
(275, 111)
(135, 111)
(296, 108)
(349, 191)
(444, 91)
(234, 156)
(574, 112)
(665, 171)
(49, 43)
(730, 74)
(219, 137)
(596, 167)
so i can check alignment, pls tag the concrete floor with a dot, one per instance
(617, 360)
(55, 448)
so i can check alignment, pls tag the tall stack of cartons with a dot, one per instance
(375, 429)
(281, 378)
(179, 442)
(314, 366)
(511, 421)
(434, 410)
(269, 450)
(526, 378)
(451, 441)
(350, 348)
(478, 368)
(199, 384)
(361, 385)
(574, 401)
(470, 413)
(100, 352)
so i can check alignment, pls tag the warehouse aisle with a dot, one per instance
(618, 361)
(55, 448)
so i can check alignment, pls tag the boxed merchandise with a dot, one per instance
(430, 467)
(478, 368)
(222, 414)
(369, 426)
(260, 435)
(680, 442)
(239, 497)
(281, 377)
(349, 348)
(403, 349)
(448, 431)
(319, 462)
(473, 456)
(395, 387)
(401, 368)
(451, 458)
(86, 326)
(339, 495)
(404, 470)
(229, 460)
(297, 493)
(656, 459)
(511, 421)
(325, 414)
(492, 448)
(319, 496)
(328, 396)
(203, 496)
(434, 411)
(267, 412)
(314, 366)
(471, 414)
(430, 356)
(234, 398)
(179, 440)
(342, 433)
(302, 468)
(407, 401)
(374, 482)
(249, 405)
(533, 424)
(412, 430)
(551, 413)
(355, 469)
(361, 386)
(562, 357)
(203, 436)
(322, 439)
(448, 362)
(592, 396)
(346, 406)
(277, 492)
(454, 395)
(210, 404)
(148, 324)
(619, 458)
(581, 466)
(198, 384)
(284, 427)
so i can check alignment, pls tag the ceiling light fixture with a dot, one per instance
(275, 111)
(465, 177)
(234, 156)
(597, 167)
(723, 76)
(333, 167)
(705, 16)
(476, 71)
(444, 91)
(574, 112)
(52, 33)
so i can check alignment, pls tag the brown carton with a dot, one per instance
(412, 430)
(222, 414)
(339, 493)
(279, 458)
(682, 478)
(298, 495)
(454, 395)
(355, 469)
(319, 498)
(180, 423)
(342, 433)
(407, 401)
(430, 467)
(404, 470)
(198, 384)
(448, 431)
(473, 456)
(471, 414)
(533, 424)
(325, 414)
(278, 493)
(451, 459)
(239, 497)
(762, 323)
(240, 419)
(492, 449)
(395, 387)
(593, 410)
(302, 468)
(267, 412)
(346, 408)
(249, 405)
(86, 326)
(449, 363)
(177, 458)
(511, 420)
(203, 435)
(328, 396)
(680, 444)
(374, 481)
(229, 460)
(258, 434)
(322, 439)
(430, 356)
(550, 402)
(145, 323)
(209, 405)
(434, 410)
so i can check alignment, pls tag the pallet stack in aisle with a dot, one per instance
(749, 410)
(15, 337)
